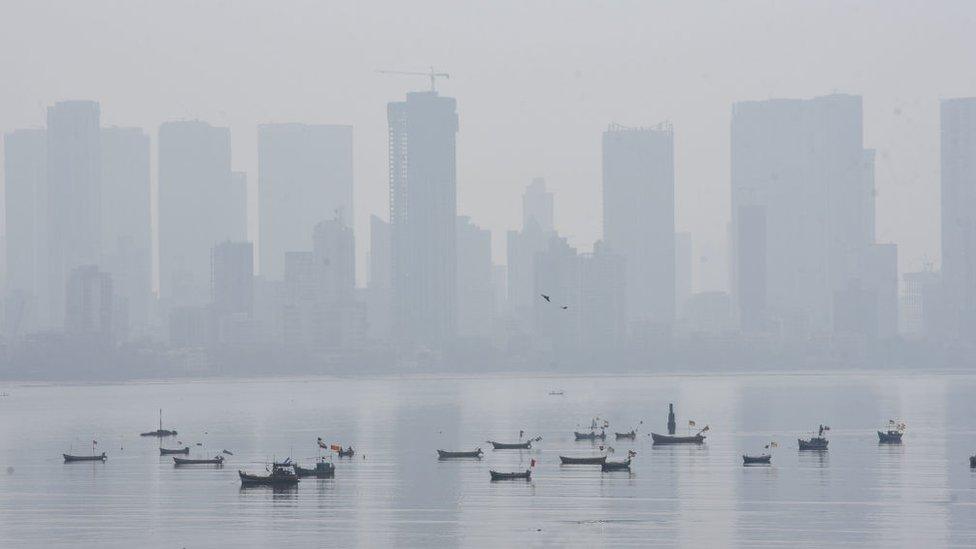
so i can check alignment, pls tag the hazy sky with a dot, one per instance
(536, 84)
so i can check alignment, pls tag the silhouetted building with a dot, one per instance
(638, 217)
(197, 207)
(922, 301)
(25, 215)
(750, 261)
(305, 174)
(522, 247)
(602, 300)
(423, 207)
(879, 273)
(804, 162)
(474, 284)
(557, 329)
(958, 169)
(682, 270)
(232, 279)
(710, 312)
(378, 295)
(537, 205)
(126, 225)
(89, 303)
(73, 216)
(334, 249)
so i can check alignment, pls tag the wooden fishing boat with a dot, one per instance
(159, 432)
(444, 454)
(672, 439)
(322, 469)
(69, 458)
(218, 460)
(755, 460)
(592, 435)
(279, 476)
(171, 451)
(527, 475)
(818, 443)
(565, 460)
(616, 465)
(511, 445)
(631, 435)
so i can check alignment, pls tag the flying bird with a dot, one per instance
(544, 296)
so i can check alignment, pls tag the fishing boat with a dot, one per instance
(218, 460)
(279, 476)
(892, 433)
(527, 475)
(616, 465)
(526, 445)
(755, 460)
(630, 435)
(598, 460)
(818, 443)
(159, 432)
(69, 457)
(171, 451)
(672, 439)
(444, 454)
(346, 452)
(592, 435)
(322, 469)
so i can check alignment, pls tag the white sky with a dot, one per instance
(536, 83)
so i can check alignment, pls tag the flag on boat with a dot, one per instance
(94, 442)
(773, 444)
(691, 423)
(336, 448)
(532, 463)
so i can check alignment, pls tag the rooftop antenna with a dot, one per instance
(432, 74)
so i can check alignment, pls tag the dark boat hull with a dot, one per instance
(168, 452)
(527, 475)
(671, 439)
(589, 436)
(616, 466)
(815, 444)
(319, 471)
(890, 437)
(279, 480)
(159, 433)
(632, 434)
(582, 460)
(184, 461)
(444, 454)
(346, 453)
(70, 458)
(756, 460)
(972, 461)
(511, 446)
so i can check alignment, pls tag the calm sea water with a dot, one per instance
(921, 493)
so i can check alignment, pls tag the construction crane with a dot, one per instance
(433, 75)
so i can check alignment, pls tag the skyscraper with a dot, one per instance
(89, 304)
(73, 196)
(522, 247)
(126, 226)
(25, 168)
(197, 207)
(474, 314)
(305, 175)
(334, 251)
(804, 163)
(638, 216)
(958, 163)
(233, 278)
(423, 207)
